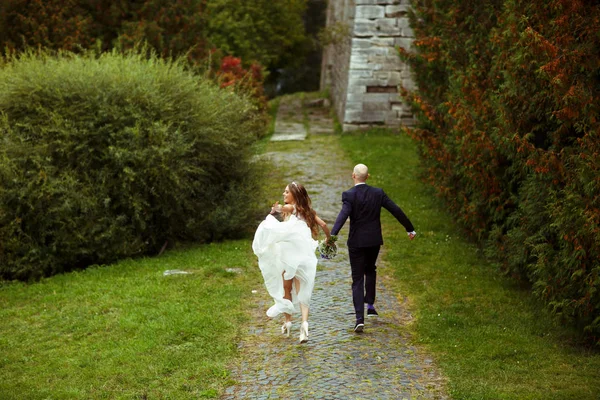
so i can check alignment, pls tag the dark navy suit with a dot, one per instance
(362, 204)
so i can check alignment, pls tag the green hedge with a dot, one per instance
(109, 156)
(508, 109)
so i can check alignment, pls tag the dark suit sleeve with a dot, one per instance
(397, 212)
(343, 215)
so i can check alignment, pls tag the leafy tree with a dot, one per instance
(52, 24)
(172, 28)
(270, 32)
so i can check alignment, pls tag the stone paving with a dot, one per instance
(336, 363)
(289, 121)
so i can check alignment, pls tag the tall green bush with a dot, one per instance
(508, 108)
(109, 156)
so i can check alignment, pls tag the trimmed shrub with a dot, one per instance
(508, 109)
(109, 156)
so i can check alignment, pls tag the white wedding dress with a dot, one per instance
(286, 250)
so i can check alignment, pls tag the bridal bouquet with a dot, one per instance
(327, 248)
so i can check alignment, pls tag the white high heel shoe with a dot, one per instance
(286, 328)
(304, 332)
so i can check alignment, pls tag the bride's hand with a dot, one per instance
(276, 208)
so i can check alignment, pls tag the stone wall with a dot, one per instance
(361, 66)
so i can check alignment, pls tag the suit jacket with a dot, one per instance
(363, 205)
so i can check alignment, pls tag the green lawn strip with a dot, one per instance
(126, 330)
(492, 339)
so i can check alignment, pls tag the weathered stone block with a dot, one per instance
(391, 78)
(403, 42)
(392, 119)
(393, 60)
(385, 67)
(385, 63)
(354, 105)
(364, 116)
(365, 27)
(379, 50)
(358, 89)
(371, 97)
(369, 12)
(396, 11)
(375, 106)
(408, 32)
(360, 65)
(403, 22)
(365, 2)
(362, 80)
(359, 59)
(367, 82)
(387, 27)
(381, 75)
(353, 75)
(361, 43)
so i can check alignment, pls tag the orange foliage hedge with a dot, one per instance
(508, 122)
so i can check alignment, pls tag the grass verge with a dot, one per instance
(492, 340)
(127, 330)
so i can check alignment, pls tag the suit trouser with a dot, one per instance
(364, 276)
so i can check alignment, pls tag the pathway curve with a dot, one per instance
(335, 363)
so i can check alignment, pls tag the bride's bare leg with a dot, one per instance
(287, 294)
(304, 311)
(303, 307)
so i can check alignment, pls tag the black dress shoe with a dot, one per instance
(359, 327)
(372, 313)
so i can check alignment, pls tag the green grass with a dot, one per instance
(127, 331)
(492, 339)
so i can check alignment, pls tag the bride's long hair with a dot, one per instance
(303, 207)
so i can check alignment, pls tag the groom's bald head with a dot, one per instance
(360, 173)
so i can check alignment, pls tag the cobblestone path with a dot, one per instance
(335, 363)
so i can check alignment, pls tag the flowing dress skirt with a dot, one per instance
(286, 250)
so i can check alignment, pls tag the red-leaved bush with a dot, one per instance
(244, 81)
(508, 121)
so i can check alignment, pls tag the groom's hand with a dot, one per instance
(411, 235)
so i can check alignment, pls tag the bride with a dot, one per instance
(286, 255)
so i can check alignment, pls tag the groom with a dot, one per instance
(363, 205)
